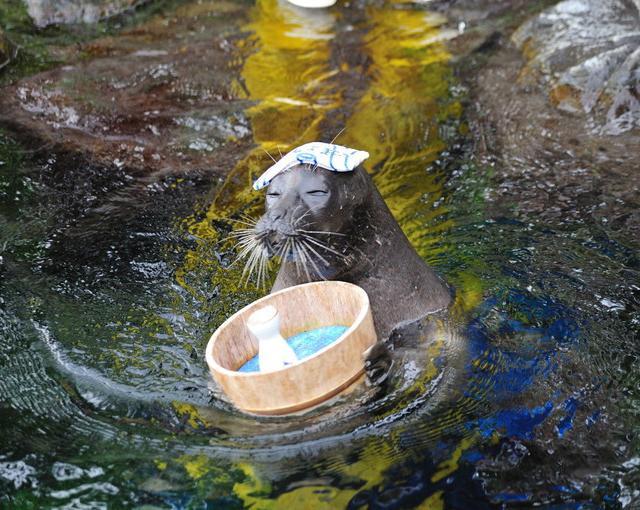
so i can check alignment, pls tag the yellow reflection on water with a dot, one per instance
(396, 119)
(287, 73)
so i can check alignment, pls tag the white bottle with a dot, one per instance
(273, 351)
(313, 4)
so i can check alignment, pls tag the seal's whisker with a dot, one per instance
(240, 231)
(243, 222)
(309, 236)
(267, 262)
(301, 257)
(256, 255)
(281, 250)
(267, 265)
(327, 232)
(339, 133)
(243, 277)
(240, 236)
(236, 240)
(267, 153)
(258, 273)
(296, 261)
(315, 266)
(298, 220)
(285, 248)
(246, 222)
(262, 268)
(313, 263)
(247, 251)
(237, 231)
(240, 244)
(249, 219)
(253, 265)
(326, 262)
(323, 246)
(246, 247)
(244, 218)
(253, 250)
(243, 243)
(308, 211)
(243, 254)
(247, 236)
(303, 260)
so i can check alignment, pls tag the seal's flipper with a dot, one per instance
(377, 364)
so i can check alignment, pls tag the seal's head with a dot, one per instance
(309, 206)
(310, 201)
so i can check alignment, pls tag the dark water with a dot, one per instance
(526, 394)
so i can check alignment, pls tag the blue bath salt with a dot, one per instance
(303, 344)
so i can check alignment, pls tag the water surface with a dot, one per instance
(525, 393)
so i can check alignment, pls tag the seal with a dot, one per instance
(336, 226)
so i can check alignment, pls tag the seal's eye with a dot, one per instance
(317, 192)
(273, 194)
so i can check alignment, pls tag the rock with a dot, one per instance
(475, 12)
(132, 131)
(588, 51)
(554, 107)
(51, 12)
(151, 100)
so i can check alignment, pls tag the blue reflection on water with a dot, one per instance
(531, 358)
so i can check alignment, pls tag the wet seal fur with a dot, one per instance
(336, 226)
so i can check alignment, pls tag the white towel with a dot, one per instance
(317, 154)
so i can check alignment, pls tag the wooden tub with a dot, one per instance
(307, 382)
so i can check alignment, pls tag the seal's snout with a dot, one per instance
(274, 228)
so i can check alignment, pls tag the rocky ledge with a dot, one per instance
(154, 99)
(555, 108)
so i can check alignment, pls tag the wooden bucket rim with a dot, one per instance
(214, 365)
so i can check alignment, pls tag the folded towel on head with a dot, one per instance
(316, 154)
